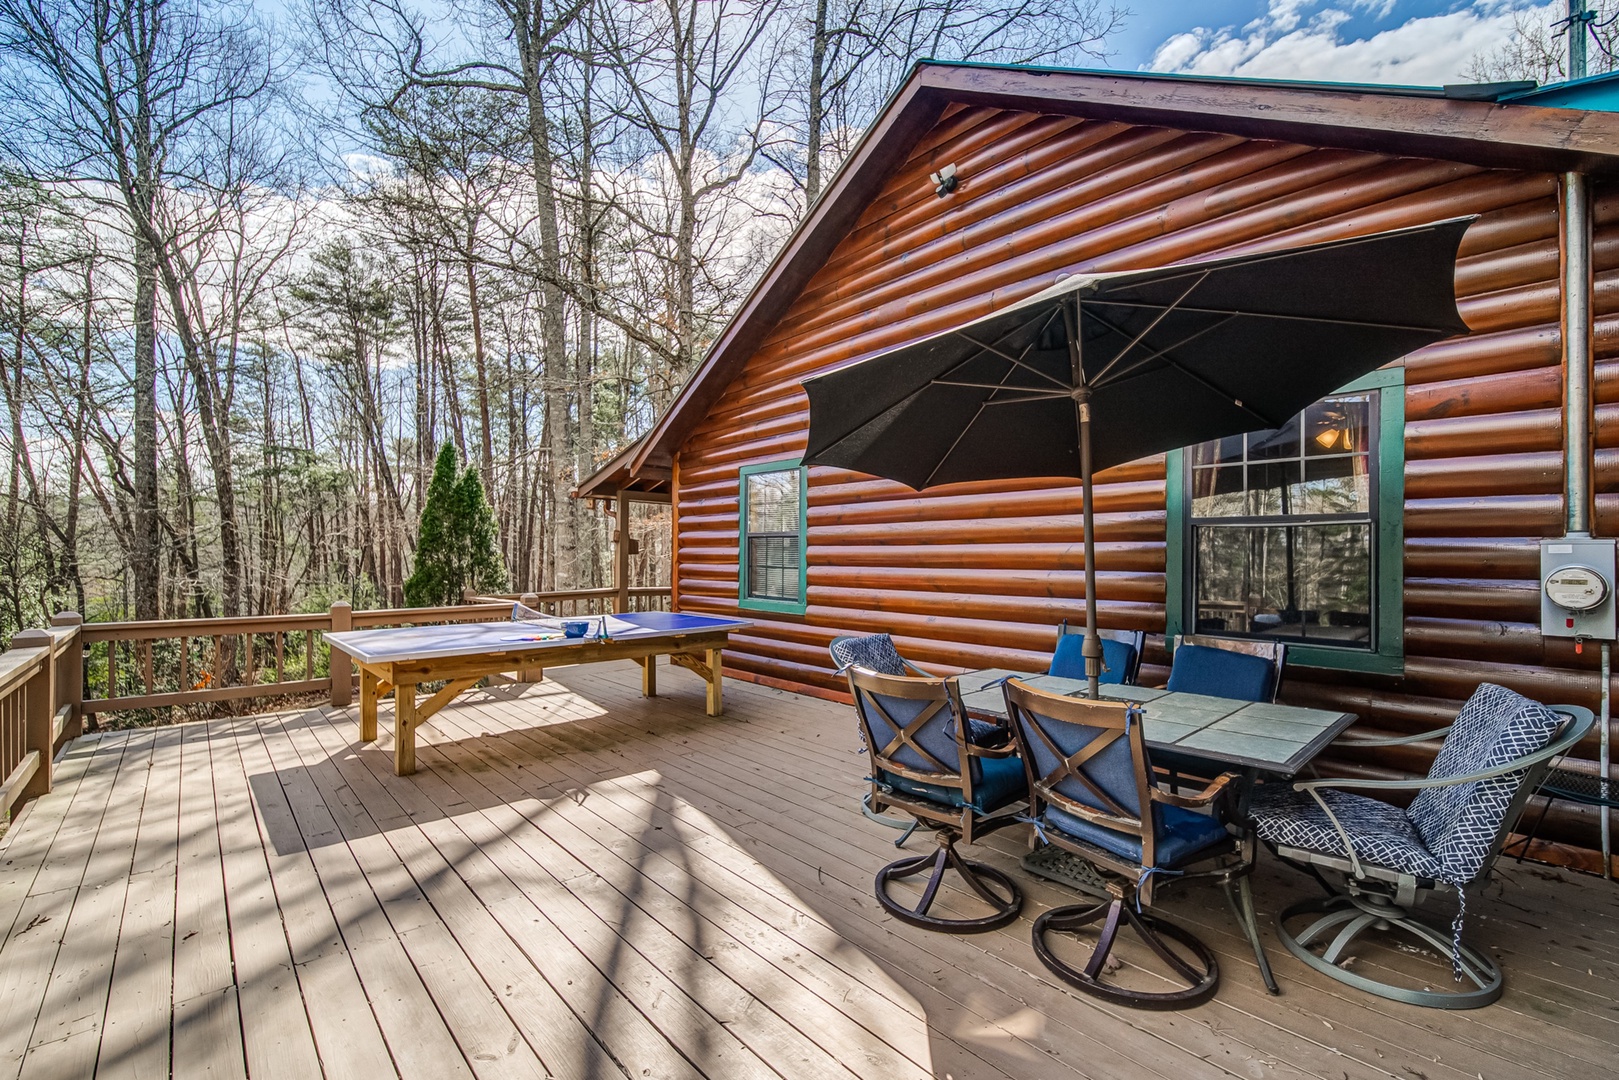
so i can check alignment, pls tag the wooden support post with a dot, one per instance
(342, 668)
(40, 710)
(621, 554)
(70, 674)
(716, 698)
(368, 704)
(649, 676)
(405, 728)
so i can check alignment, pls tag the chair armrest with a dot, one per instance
(1402, 740)
(1203, 798)
(916, 670)
(1009, 750)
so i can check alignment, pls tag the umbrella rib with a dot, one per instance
(962, 434)
(1271, 315)
(1162, 315)
(992, 386)
(1228, 395)
(1164, 352)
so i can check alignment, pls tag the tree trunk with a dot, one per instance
(816, 107)
(145, 553)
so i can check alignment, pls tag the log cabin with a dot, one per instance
(1474, 449)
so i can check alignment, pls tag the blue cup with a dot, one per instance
(575, 629)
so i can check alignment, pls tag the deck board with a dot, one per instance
(584, 883)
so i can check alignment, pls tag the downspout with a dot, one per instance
(1578, 445)
(1575, 254)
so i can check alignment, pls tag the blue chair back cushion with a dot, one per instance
(937, 736)
(1460, 823)
(874, 652)
(1199, 669)
(1068, 661)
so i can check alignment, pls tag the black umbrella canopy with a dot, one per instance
(1169, 356)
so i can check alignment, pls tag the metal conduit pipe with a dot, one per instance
(1576, 331)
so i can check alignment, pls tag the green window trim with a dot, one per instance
(754, 603)
(1388, 568)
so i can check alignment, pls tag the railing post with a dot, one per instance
(39, 710)
(70, 674)
(342, 668)
(621, 553)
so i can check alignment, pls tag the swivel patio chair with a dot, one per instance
(1492, 758)
(1121, 654)
(923, 764)
(876, 652)
(1091, 794)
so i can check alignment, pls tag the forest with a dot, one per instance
(259, 264)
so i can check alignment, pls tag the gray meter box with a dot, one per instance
(1569, 570)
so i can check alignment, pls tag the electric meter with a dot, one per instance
(1576, 588)
(1577, 593)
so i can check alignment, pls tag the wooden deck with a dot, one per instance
(581, 883)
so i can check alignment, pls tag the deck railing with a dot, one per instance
(52, 679)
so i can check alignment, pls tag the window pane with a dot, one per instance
(1218, 452)
(773, 567)
(1296, 582)
(1280, 443)
(1275, 487)
(1339, 484)
(1338, 425)
(773, 502)
(1218, 492)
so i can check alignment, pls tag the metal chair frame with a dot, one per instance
(1133, 882)
(1379, 897)
(949, 823)
(1136, 639)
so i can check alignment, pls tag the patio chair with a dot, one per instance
(923, 764)
(1493, 756)
(1091, 794)
(876, 652)
(1121, 654)
(1581, 788)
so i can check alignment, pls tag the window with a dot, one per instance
(1295, 534)
(772, 504)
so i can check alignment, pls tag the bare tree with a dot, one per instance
(1538, 48)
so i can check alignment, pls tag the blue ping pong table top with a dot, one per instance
(673, 621)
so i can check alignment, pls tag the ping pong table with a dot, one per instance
(398, 659)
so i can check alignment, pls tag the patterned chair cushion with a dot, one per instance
(875, 652)
(1381, 833)
(1459, 823)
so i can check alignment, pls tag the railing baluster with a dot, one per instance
(279, 637)
(146, 665)
(185, 664)
(112, 669)
(247, 660)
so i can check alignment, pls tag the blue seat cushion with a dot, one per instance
(1181, 835)
(1381, 833)
(1199, 669)
(1068, 662)
(1001, 783)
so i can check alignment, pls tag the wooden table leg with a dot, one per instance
(368, 705)
(649, 676)
(716, 700)
(404, 729)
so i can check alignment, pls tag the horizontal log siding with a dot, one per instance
(978, 574)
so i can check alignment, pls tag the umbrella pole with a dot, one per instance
(1092, 647)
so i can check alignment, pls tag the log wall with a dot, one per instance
(979, 574)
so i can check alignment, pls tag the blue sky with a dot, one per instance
(1400, 41)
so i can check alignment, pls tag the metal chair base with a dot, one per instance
(1350, 916)
(1198, 978)
(1005, 903)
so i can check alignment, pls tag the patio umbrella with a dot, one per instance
(1100, 369)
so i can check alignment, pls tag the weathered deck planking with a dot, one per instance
(584, 883)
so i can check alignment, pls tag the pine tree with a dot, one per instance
(457, 547)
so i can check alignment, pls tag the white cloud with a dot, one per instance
(1292, 41)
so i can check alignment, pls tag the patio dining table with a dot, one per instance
(1256, 737)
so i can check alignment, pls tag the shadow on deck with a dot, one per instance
(583, 883)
